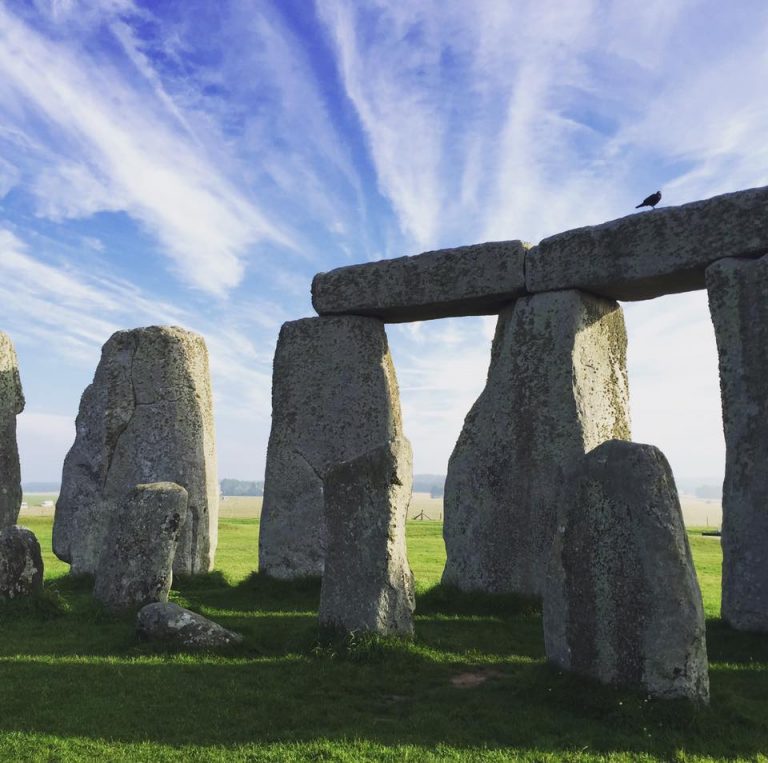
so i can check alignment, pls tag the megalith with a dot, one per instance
(136, 564)
(21, 563)
(11, 404)
(334, 397)
(557, 387)
(368, 584)
(622, 603)
(738, 302)
(147, 417)
(179, 628)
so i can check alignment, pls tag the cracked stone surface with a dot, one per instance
(368, 584)
(622, 602)
(181, 628)
(21, 563)
(334, 397)
(136, 565)
(656, 252)
(469, 280)
(11, 404)
(557, 387)
(738, 302)
(147, 417)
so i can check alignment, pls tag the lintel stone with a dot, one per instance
(468, 280)
(657, 252)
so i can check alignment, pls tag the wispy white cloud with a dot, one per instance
(131, 158)
(69, 313)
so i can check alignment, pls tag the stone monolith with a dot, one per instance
(738, 301)
(468, 280)
(368, 584)
(11, 404)
(136, 565)
(334, 397)
(557, 387)
(21, 563)
(169, 624)
(622, 603)
(652, 253)
(147, 417)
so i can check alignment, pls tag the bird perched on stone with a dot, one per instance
(651, 201)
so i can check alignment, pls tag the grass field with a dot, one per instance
(76, 685)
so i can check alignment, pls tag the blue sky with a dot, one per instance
(196, 163)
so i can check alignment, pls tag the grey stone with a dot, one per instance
(21, 563)
(738, 300)
(622, 603)
(652, 253)
(180, 628)
(469, 280)
(334, 397)
(368, 585)
(11, 404)
(557, 387)
(136, 565)
(147, 417)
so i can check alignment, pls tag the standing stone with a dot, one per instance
(147, 417)
(334, 397)
(11, 404)
(557, 387)
(622, 603)
(137, 561)
(368, 585)
(21, 563)
(738, 303)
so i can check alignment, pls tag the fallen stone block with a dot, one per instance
(11, 404)
(180, 628)
(368, 584)
(557, 387)
(334, 397)
(136, 565)
(147, 417)
(622, 602)
(738, 301)
(468, 280)
(21, 563)
(652, 253)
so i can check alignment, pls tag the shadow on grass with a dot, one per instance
(448, 600)
(398, 698)
(281, 685)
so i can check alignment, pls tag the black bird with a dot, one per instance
(651, 201)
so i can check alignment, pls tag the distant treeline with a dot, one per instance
(709, 492)
(241, 487)
(434, 484)
(41, 487)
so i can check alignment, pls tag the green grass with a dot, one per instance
(76, 685)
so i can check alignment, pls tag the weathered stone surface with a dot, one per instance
(334, 397)
(469, 280)
(21, 563)
(147, 417)
(180, 628)
(622, 603)
(368, 584)
(136, 565)
(652, 253)
(11, 404)
(557, 387)
(738, 300)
